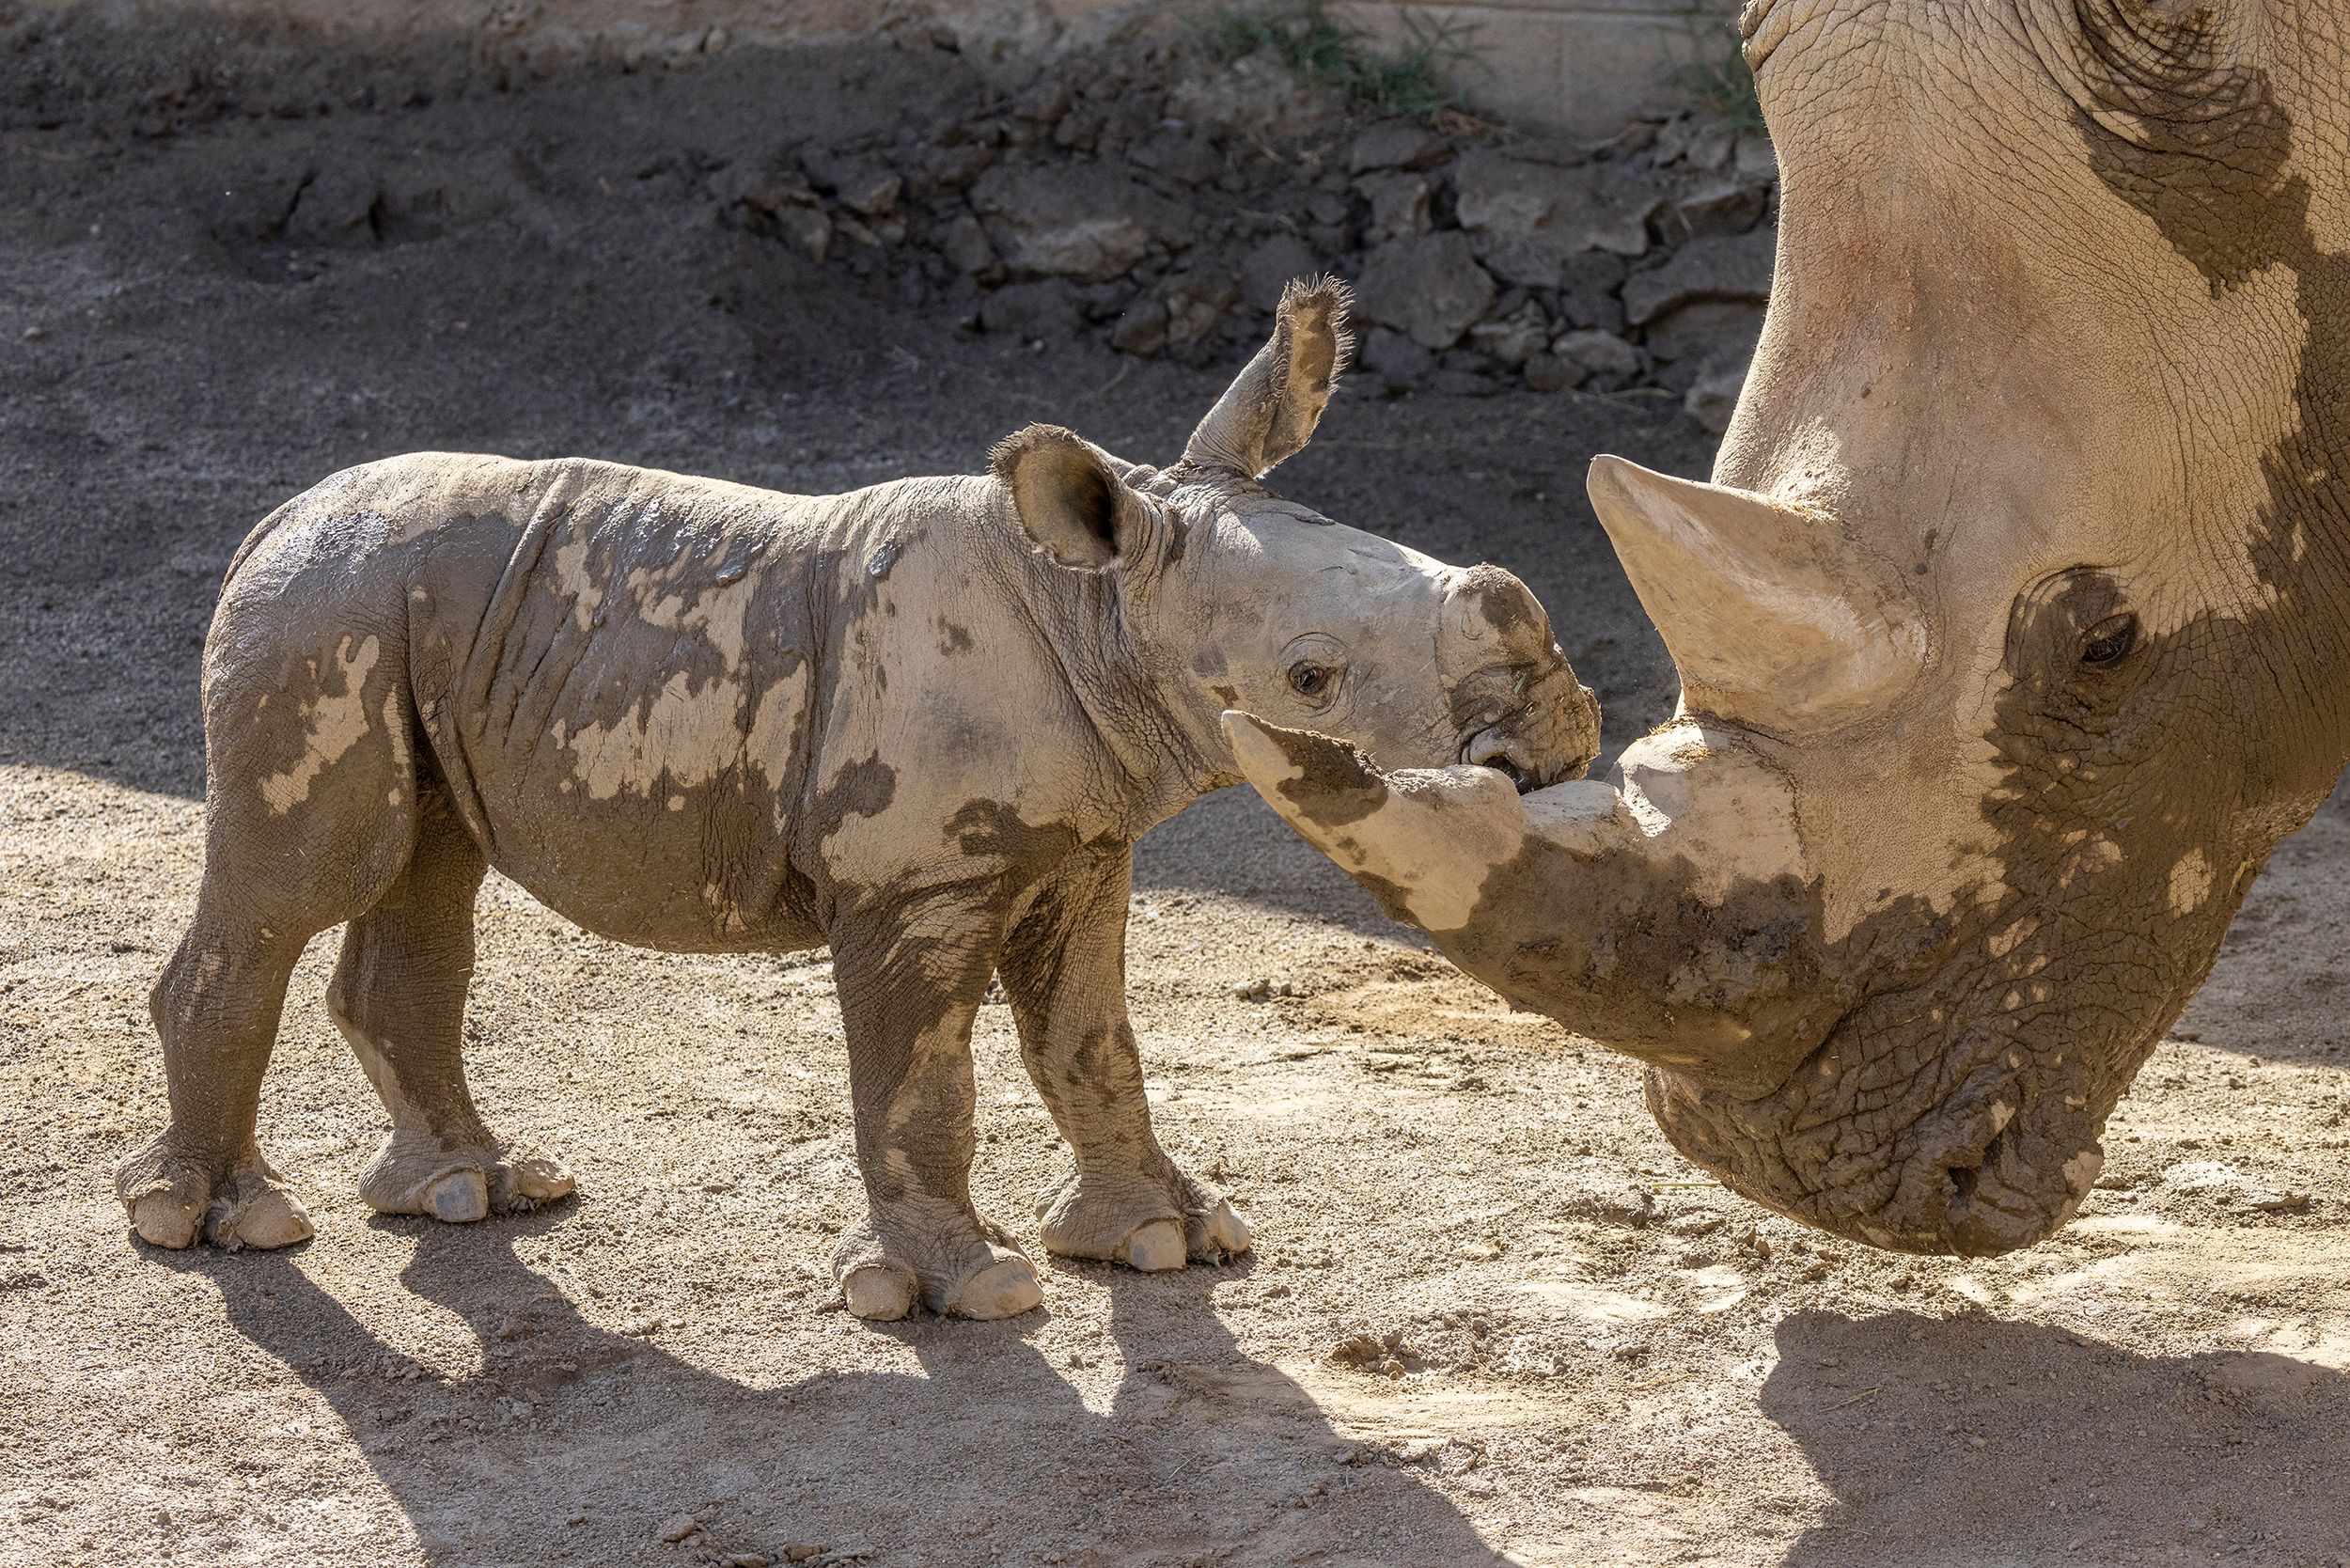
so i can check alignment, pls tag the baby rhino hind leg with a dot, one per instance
(306, 822)
(1123, 1199)
(399, 996)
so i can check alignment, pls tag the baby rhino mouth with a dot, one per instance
(1491, 747)
(1549, 737)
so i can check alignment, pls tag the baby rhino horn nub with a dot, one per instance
(1269, 412)
(1772, 616)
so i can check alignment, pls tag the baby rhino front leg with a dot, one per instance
(910, 978)
(1065, 972)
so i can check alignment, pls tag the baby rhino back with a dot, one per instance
(617, 686)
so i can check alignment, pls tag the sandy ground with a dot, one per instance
(1587, 1353)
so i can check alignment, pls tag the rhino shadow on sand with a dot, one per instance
(2089, 1453)
(991, 1449)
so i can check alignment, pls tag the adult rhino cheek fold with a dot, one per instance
(2013, 630)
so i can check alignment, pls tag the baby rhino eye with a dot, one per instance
(1308, 679)
(2109, 641)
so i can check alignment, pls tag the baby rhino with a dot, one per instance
(921, 723)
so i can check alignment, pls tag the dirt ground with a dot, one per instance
(1587, 1353)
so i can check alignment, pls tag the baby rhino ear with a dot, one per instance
(1069, 495)
(1270, 412)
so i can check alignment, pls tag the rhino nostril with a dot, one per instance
(1489, 749)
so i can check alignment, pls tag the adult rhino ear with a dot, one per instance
(1271, 410)
(1069, 495)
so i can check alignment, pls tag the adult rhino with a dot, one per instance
(2013, 632)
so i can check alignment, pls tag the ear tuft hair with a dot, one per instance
(1326, 301)
(1270, 411)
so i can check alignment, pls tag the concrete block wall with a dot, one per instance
(1576, 66)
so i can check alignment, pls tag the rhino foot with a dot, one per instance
(982, 1275)
(420, 1176)
(1144, 1221)
(173, 1200)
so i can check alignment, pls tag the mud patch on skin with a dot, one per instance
(334, 723)
(1335, 783)
(992, 831)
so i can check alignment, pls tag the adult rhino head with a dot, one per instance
(2013, 632)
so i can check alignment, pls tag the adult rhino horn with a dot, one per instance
(1775, 620)
(1690, 941)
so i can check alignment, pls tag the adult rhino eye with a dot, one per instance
(2109, 641)
(1310, 680)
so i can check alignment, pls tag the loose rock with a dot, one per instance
(1397, 144)
(1527, 219)
(1399, 203)
(1085, 220)
(1735, 267)
(1606, 358)
(1428, 286)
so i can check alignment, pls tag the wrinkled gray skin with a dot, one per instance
(2013, 632)
(921, 723)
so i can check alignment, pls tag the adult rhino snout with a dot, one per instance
(1974, 1146)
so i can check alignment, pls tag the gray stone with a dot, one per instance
(1397, 144)
(1704, 329)
(866, 186)
(1547, 372)
(1196, 300)
(1527, 218)
(807, 228)
(336, 208)
(1513, 338)
(1328, 207)
(1142, 330)
(1723, 206)
(1047, 309)
(1586, 291)
(1712, 398)
(1755, 159)
(1695, 141)
(1607, 359)
(1428, 286)
(1398, 204)
(1187, 154)
(1087, 221)
(950, 166)
(767, 190)
(1394, 358)
(1718, 267)
(1266, 269)
(1044, 102)
(965, 242)
(1080, 130)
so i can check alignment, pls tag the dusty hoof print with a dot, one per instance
(458, 1197)
(878, 1293)
(1157, 1245)
(1004, 1289)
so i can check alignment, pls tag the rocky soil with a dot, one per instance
(1492, 1317)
